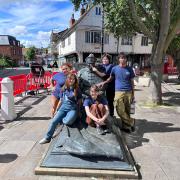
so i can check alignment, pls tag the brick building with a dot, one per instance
(10, 47)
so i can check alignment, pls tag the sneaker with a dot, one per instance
(44, 141)
(126, 128)
(106, 130)
(100, 131)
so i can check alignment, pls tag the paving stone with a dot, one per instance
(23, 168)
(21, 148)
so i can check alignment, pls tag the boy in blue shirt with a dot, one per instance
(124, 91)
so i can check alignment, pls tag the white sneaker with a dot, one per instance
(44, 141)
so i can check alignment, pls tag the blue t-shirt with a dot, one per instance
(68, 94)
(60, 79)
(89, 101)
(123, 76)
(107, 67)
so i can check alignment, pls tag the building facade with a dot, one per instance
(84, 37)
(11, 47)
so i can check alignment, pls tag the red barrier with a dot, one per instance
(36, 83)
(24, 83)
(20, 82)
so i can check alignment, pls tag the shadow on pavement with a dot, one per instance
(35, 118)
(174, 98)
(143, 126)
(1, 127)
(6, 158)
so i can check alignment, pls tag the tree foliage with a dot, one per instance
(158, 20)
(31, 53)
(5, 61)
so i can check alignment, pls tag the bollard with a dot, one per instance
(7, 100)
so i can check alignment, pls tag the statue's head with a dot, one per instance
(90, 59)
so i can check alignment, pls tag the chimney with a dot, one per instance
(72, 21)
(82, 10)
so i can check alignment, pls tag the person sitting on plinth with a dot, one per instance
(69, 107)
(97, 111)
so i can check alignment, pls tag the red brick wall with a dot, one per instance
(9, 51)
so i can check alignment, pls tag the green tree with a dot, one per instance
(158, 20)
(5, 61)
(31, 53)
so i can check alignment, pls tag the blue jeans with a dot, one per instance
(66, 114)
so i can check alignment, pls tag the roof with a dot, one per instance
(55, 36)
(8, 40)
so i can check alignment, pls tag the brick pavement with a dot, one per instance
(155, 144)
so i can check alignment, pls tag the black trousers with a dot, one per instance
(110, 93)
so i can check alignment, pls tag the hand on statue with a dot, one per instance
(100, 85)
(93, 68)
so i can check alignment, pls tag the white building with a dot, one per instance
(84, 37)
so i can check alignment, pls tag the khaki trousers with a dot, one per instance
(122, 103)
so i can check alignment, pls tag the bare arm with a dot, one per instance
(106, 114)
(52, 85)
(105, 82)
(88, 113)
(59, 104)
(98, 72)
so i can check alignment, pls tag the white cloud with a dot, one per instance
(31, 21)
(41, 39)
(18, 31)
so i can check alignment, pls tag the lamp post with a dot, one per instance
(102, 31)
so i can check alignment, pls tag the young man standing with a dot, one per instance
(124, 91)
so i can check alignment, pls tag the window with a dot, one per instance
(93, 37)
(144, 41)
(14, 51)
(87, 37)
(126, 41)
(98, 11)
(69, 40)
(63, 44)
(106, 38)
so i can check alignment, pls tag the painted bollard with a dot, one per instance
(7, 101)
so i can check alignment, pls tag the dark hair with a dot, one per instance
(107, 56)
(122, 55)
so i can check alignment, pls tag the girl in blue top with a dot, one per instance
(97, 110)
(110, 89)
(69, 106)
(57, 83)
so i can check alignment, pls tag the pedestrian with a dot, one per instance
(68, 107)
(110, 89)
(124, 91)
(57, 82)
(97, 111)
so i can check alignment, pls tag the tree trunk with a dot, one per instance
(156, 77)
(117, 45)
(157, 52)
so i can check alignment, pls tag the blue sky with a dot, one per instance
(31, 21)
